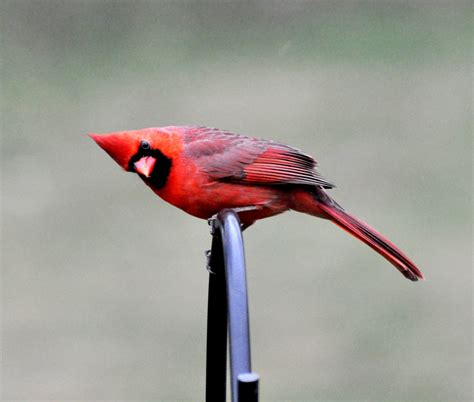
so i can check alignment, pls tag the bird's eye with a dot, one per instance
(144, 144)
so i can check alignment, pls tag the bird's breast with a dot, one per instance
(189, 188)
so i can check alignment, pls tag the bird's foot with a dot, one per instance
(208, 255)
(212, 228)
(212, 220)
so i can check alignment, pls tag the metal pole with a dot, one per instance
(216, 349)
(236, 281)
(228, 293)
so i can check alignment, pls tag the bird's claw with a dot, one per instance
(208, 255)
(213, 219)
(212, 225)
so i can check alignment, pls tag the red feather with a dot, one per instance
(203, 170)
(237, 158)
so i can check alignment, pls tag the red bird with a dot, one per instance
(204, 170)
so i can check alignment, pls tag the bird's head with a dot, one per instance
(146, 152)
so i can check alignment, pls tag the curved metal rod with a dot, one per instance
(237, 302)
(228, 253)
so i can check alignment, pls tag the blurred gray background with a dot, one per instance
(104, 284)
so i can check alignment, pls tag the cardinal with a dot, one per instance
(203, 170)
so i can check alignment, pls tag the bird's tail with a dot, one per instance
(318, 203)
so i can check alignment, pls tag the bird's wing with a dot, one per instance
(237, 158)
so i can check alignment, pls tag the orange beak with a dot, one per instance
(145, 165)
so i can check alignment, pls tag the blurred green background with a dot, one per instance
(104, 285)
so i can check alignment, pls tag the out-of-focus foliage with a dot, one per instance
(104, 285)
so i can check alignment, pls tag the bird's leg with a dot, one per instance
(244, 226)
(212, 229)
(245, 209)
(211, 221)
